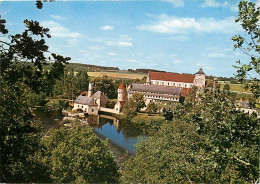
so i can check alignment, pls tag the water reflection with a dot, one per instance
(122, 134)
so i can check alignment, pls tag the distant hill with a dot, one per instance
(78, 67)
(144, 70)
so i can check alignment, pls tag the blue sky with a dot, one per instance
(171, 35)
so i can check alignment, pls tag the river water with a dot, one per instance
(120, 134)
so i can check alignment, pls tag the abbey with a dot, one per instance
(161, 87)
(176, 79)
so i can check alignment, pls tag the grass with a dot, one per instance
(121, 75)
(152, 116)
(235, 87)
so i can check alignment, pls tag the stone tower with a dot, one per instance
(121, 93)
(90, 89)
(199, 79)
(148, 82)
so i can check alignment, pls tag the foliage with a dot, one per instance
(138, 101)
(226, 87)
(106, 85)
(129, 109)
(71, 84)
(173, 155)
(77, 154)
(167, 114)
(30, 46)
(248, 16)
(151, 108)
(140, 81)
(19, 136)
(208, 141)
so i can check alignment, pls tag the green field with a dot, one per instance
(235, 87)
(122, 75)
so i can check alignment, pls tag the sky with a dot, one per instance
(170, 35)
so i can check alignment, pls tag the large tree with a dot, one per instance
(20, 134)
(249, 17)
(78, 155)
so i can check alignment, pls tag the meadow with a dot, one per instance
(116, 74)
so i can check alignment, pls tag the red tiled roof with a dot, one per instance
(175, 77)
(122, 103)
(185, 92)
(122, 86)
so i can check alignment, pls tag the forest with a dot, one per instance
(205, 139)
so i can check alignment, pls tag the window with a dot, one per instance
(82, 107)
(78, 106)
(92, 110)
(157, 82)
(162, 83)
(174, 84)
(185, 85)
(179, 84)
(168, 84)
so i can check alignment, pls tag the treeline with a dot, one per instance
(143, 70)
(76, 67)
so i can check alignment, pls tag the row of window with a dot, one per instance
(160, 97)
(174, 84)
(86, 108)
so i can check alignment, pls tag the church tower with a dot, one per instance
(200, 80)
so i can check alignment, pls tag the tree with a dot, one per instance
(211, 140)
(152, 108)
(138, 101)
(20, 135)
(129, 109)
(78, 155)
(174, 154)
(226, 87)
(248, 16)
(106, 85)
(167, 114)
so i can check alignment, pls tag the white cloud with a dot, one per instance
(111, 53)
(119, 43)
(183, 25)
(57, 17)
(177, 61)
(214, 3)
(180, 38)
(175, 3)
(216, 55)
(234, 7)
(107, 28)
(56, 30)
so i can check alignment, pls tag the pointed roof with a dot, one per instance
(122, 86)
(200, 71)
